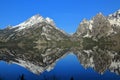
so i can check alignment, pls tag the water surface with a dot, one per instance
(66, 68)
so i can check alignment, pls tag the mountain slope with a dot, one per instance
(34, 29)
(99, 27)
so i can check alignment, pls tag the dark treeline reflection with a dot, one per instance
(57, 63)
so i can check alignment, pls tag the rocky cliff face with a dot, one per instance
(84, 29)
(99, 26)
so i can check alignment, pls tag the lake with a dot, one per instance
(60, 64)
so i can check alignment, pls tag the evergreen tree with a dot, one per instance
(22, 77)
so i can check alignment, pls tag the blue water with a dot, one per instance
(67, 68)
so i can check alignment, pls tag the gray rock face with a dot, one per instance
(114, 20)
(100, 26)
(115, 15)
(84, 28)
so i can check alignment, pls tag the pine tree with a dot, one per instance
(22, 77)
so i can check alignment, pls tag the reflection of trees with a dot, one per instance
(22, 77)
(1, 79)
(54, 77)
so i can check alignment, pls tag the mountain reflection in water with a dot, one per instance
(57, 63)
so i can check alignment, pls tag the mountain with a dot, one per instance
(99, 27)
(37, 43)
(34, 30)
(41, 30)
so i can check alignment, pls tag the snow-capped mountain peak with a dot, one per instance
(50, 21)
(115, 15)
(98, 16)
(31, 21)
(34, 20)
(100, 13)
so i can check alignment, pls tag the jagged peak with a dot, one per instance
(99, 15)
(118, 11)
(50, 21)
(115, 14)
(84, 21)
(115, 18)
(8, 27)
(37, 15)
(34, 20)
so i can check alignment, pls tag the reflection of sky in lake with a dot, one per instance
(65, 68)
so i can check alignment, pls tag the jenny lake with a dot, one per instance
(58, 63)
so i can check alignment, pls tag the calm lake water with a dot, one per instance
(68, 67)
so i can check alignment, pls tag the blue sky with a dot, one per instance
(67, 14)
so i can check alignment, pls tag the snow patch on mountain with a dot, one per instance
(31, 21)
(34, 68)
(115, 18)
(115, 22)
(90, 24)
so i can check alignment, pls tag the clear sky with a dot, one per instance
(67, 14)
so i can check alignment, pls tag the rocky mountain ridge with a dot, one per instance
(44, 29)
(34, 30)
(99, 26)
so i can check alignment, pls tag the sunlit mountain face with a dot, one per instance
(37, 50)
